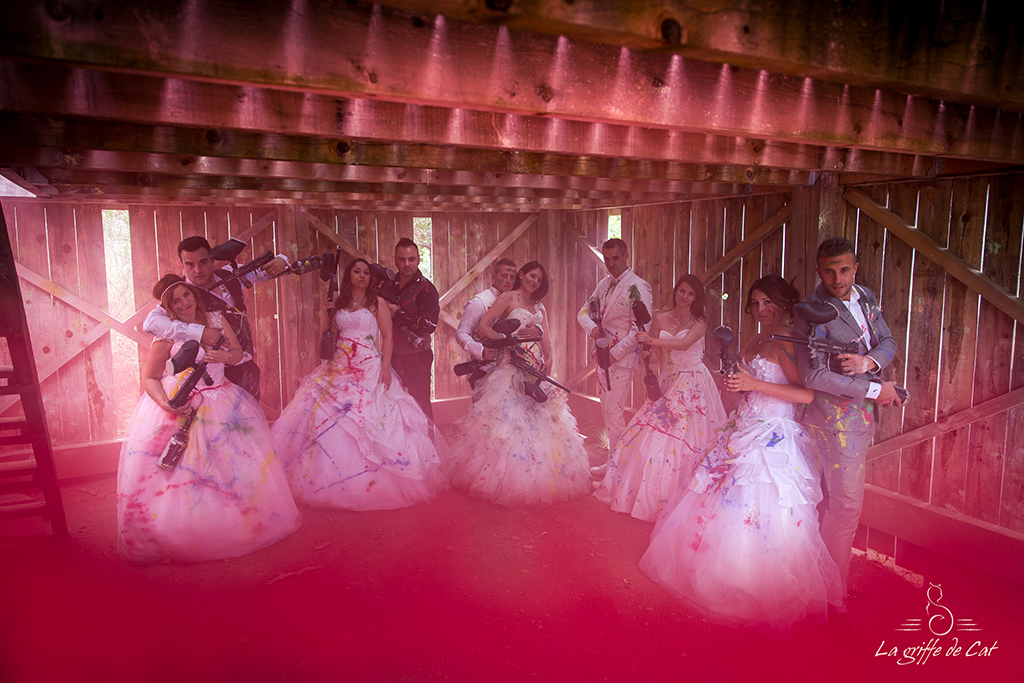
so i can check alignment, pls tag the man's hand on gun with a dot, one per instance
(276, 267)
(855, 364)
(888, 396)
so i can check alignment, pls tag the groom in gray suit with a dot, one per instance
(841, 417)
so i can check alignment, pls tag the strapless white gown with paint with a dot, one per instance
(740, 542)
(228, 496)
(659, 447)
(515, 451)
(346, 441)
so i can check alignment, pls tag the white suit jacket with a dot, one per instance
(475, 309)
(614, 299)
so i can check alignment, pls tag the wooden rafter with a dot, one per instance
(203, 109)
(491, 256)
(955, 59)
(977, 281)
(345, 52)
(760, 234)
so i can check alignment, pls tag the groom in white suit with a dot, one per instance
(612, 303)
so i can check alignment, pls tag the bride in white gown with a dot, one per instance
(515, 451)
(740, 541)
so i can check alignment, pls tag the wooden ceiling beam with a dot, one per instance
(219, 110)
(140, 162)
(55, 163)
(108, 194)
(959, 50)
(346, 50)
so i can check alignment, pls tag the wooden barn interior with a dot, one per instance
(723, 138)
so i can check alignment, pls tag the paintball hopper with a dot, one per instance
(228, 251)
(185, 358)
(640, 313)
(724, 337)
(381, 273)
(324, 263)
(533, 390)
(816, 312)
(506, 326)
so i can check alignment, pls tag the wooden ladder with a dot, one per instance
(28, 486)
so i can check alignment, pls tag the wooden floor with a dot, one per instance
(457, 590)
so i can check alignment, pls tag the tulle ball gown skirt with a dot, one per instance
(515, 451)
(740, 544)
(659, 448)
(346, 442)
(227, 497)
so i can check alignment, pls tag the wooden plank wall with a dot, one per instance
(287, 313)
(60, 242)
(972, 356)
(956, 349)
(670, 240)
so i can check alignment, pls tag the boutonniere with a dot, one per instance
(634, 293)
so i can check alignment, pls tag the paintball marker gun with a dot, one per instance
(603, 348)
(725, 338)
(246, 273)
(404, 323)
(818, 313)
(642, 316)
(329, 337)
(185, 358)
(506, 327)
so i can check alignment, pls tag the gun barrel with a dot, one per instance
(828, 346)
(240, 272)
(530, 370)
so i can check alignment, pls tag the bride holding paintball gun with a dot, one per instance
(197, 479)
(656, 453)
(520, 443)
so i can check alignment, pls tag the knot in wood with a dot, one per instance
(671, 31)
(58, 11)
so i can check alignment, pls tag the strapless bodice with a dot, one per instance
(359, 324)
(686, 359)
(758, 405)
(527, 318)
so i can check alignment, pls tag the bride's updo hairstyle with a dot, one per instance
(344, 299)
(781, 293)
(697, 307)
(542, 291)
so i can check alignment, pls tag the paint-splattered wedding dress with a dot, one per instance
(740, 542)
(348, 442)
(227, 497)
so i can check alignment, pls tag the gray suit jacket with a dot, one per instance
(841, 391)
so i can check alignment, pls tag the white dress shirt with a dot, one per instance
(471, 316)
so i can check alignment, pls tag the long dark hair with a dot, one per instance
(344, 299)
(697, 307)
(781, 293)
(542, 291)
